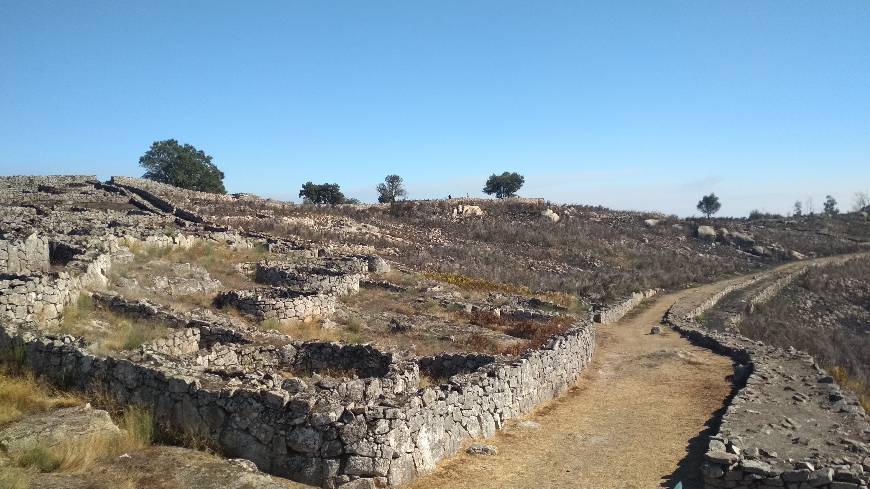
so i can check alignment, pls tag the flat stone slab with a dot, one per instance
(54, 428)
(167, 467)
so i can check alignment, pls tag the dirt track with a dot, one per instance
(627, 424)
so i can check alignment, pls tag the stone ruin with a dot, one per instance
(352, 415)
(329, 414)
(788, 424)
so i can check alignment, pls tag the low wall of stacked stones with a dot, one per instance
(737, 462)
(31, 182)
(378, 430)
(24, 255)
(316, 279)
(364, 432)
(278, 304)
(42, 296)
(778, 285)
(615, 312)
(446, 365)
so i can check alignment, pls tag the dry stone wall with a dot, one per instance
(279, 304)
(308, 277)
(615, 312)
(788, 423)
(24, 255)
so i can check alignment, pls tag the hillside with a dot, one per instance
(366, 346)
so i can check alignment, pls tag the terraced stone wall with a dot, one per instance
(787, 424)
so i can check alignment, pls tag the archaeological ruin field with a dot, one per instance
(190, 339)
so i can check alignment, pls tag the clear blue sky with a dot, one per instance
(639, 105)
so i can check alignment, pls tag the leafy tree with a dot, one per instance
(326, 193)
(831, 206)
(391, 190)
(182, 166)
(504, 185)
(709, 205)
(798, 209)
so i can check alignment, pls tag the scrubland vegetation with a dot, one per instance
(826, 312)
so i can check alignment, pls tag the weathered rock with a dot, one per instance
(55, 428)
(706, 233)
(551, 215)
(482, 449)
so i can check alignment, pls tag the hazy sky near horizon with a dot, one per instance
(633, 105)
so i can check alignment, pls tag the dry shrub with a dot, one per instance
(482, 343)
(535, 332)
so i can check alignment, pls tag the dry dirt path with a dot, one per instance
(627, 424)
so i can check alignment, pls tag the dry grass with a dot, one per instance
(379, 300)
(22, 394)
(473, 284)
(14, 478)
(431, 381)
(122, 333)
(218, 259)
(859, 387)
(311, 330)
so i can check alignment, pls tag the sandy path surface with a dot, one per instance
(627, 424)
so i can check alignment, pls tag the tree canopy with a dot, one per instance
(709, 205)
(325, 193)
(182, 166)
(504, 185)
(391, 189)
(831, 206)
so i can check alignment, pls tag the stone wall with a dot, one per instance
(615, 312)
(277, 303)
(308, 277)
(24, 255)
(378, 429)
(787, 423)
(33, 182)
(446, 365)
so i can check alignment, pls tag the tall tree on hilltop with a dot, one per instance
(391, 189)
(709, 205)
(182, 166)
(504, 185)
